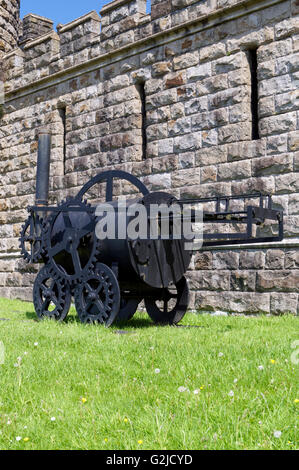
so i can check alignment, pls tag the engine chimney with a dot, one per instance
(43, 169)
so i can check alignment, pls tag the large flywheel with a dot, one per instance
(70, 241)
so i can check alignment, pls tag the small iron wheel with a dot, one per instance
(128, 308)
(97, 298)
(171, 306)
(51, 297)
(31, 240)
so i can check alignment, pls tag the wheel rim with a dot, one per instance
(128, 308)
(171, 307)
(108, 177)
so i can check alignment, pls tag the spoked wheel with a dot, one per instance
(108, 177)
(172, 306)
(51, 297)
(128, 308)
(97, 298)
(31, 242)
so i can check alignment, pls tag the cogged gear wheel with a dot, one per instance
(51, 297)
(97, 299)
(71, 244)
(31, 240)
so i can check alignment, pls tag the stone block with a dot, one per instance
(282, 304)
(275, 259)
(279, 281)
(225, 260)
(250, 259)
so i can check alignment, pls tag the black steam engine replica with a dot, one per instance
(109, 278)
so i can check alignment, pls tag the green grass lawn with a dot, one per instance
(70, 386)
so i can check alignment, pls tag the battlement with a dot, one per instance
(121, 24)
(34, 26)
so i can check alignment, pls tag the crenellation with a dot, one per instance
(79, 34)
(40, 52)
(119, 21)
(34, 26)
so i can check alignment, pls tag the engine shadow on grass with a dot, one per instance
(31, 316)
(121, 328)
(146, 322)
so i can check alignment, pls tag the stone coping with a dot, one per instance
(113, 5)
(92, 15)
(16, 52)
(41, 39)
(38, 17)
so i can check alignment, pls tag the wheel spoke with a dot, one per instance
(100, 305)
(88, 305)
(43, 287)
(55, 300)
(45, 305)
(99, 289)
(31, 226)
(109, 189)
(88, 287)
(31, 254)
(76, 260)
(67, 220)
(57, 249)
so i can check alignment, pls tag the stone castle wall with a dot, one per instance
(9, 25)
(193, 61)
